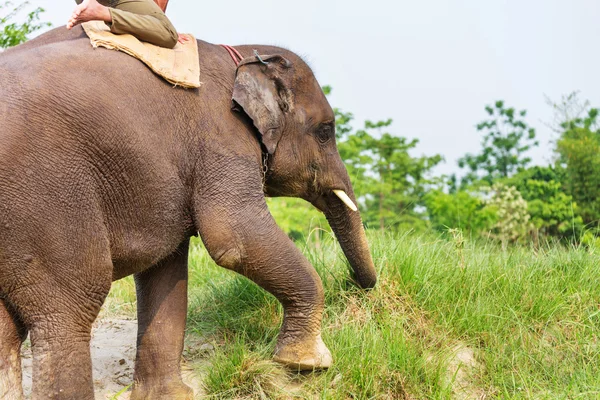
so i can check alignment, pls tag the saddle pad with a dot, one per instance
(179, 66)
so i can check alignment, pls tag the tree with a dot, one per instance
(569, 108)
(391, 183)
(579, 152)
(553, 212)
(12, 34)
(506, 139)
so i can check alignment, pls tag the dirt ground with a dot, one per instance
(113, 354)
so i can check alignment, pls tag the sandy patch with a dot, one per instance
(462, 369)
(113, 355)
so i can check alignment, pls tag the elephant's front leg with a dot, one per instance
(240, 234)
(162, 307)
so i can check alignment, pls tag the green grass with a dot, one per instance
(446, 321)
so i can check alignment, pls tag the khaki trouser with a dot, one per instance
(142, 19)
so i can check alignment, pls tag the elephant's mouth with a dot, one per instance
(322, 201)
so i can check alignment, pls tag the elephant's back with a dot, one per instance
(60, 86)
(59, 45)
(60, 34)
(64, 61)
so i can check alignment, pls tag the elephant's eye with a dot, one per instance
(324, 133)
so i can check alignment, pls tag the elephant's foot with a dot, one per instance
(10, 369)
(174, 389)
(304, 355)
(12, 334)
(10, 376)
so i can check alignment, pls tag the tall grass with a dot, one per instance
(447, 320)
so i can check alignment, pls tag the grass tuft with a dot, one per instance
(238, 373)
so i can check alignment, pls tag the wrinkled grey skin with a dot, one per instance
(107, 171)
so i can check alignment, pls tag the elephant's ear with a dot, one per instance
(261, 92)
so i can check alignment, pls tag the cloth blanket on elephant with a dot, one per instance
(179, 66)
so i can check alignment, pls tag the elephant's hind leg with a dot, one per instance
(59, 305)
(162, 308)
(12, 334)
(60, 341)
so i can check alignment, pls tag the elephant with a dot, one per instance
(107, 171)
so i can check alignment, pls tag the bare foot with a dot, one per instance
(89, 10)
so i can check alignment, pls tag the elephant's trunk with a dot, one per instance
(348, 228)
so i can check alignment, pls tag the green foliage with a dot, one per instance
(553, 212)
(579, 150)
(12, 34)
(462, 210)
(389, 181)
(506, 139)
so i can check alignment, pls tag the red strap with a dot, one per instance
(235, 55)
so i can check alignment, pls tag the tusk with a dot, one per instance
(344, 197)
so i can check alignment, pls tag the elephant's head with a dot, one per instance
(296, 125)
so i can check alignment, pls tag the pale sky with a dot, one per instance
(432, 65)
